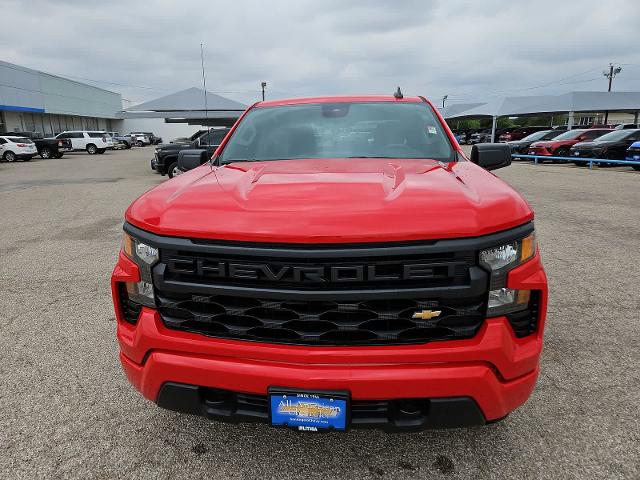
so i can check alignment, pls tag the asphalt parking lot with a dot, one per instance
(67, 411)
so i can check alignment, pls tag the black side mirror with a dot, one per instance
(190, 159)
(491, 156)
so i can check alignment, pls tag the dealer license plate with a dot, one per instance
(577, 154)
(636, 157)
(309, 411)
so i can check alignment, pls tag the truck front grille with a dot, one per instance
(366, 294)
(368, 322)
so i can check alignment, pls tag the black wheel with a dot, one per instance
(46, 152)
(139, 144)
(101, 151)
(173, 170)
(92, 149)
(58, 155)
(9, 156)
(561, 152)
(127, 145)
(611, 156)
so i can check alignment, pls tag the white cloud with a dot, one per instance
(468, 50)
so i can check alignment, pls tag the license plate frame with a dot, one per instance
(315, 414)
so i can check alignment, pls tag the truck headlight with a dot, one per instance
(508, 256)
(145, 256)
(499, 261)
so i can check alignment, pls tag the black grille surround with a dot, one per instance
(338, 295)
(129, 309)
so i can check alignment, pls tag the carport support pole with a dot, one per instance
(635, 117)
(570, 120)
(493, 128)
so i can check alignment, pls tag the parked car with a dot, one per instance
(613, 146)
(165, 160)
(140, 139)
(146, 138)
(125, 140)
(633, 154)
(560, 145)
(17, 148)
(627, 126)
(522, 146)
(91, 141)
(519, 133)
(53, 147)
(482, 136)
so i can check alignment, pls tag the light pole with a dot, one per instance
(613, 71)
(444, 99)
(263, 85)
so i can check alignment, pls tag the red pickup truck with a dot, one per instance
(337, 263)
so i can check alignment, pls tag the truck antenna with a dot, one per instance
(398, 94)
(204, 82)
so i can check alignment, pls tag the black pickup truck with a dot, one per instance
(165, 160)
(52, 147)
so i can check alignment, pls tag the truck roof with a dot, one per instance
(338, 99)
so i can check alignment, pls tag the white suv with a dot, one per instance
(141, 139)
(91, 141)
(13, 148)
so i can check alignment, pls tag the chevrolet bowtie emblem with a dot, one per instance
(427, 314)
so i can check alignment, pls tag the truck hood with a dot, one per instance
(173, 146)
(331, 201)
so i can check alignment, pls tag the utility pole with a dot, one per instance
(613, 71)
(444, 99)
(263, 85)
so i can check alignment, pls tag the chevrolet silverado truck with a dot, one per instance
(337, 263)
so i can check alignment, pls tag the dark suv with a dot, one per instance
(165, 160)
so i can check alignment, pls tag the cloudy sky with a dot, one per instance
(469, 50)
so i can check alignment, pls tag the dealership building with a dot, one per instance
(34, 101)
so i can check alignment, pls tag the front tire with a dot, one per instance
(561, 152)
(139, 144)
(10, 156)
(101, 151)
(92, 149)
(58, 155)
(46, 153)
(173, 170)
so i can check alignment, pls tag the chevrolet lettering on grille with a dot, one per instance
(212, 268)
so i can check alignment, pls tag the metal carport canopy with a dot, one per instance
(567, 103)
(188, 106)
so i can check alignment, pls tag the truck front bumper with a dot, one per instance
(459, 382)
(153, 356)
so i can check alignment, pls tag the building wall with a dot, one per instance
(33, 101)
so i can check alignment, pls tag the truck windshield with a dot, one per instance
(339, 130)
